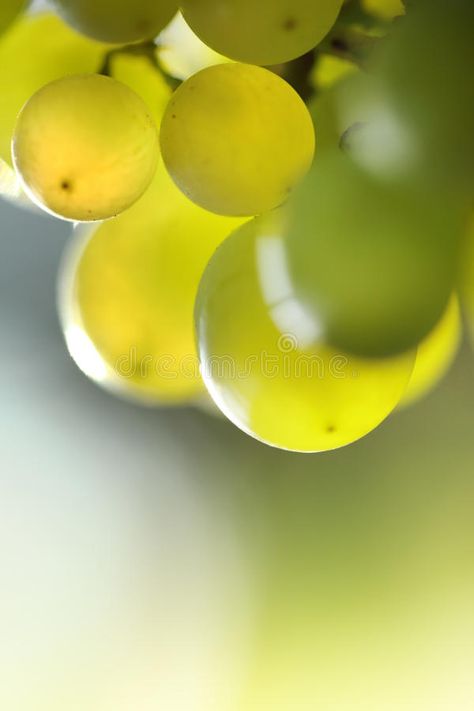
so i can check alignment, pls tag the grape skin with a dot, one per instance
(28, 62)
(129, 287)
(375, 265)
(85, 148)
(118, 21)
(256, 365)
(237, 139)
(264, 32)
(9, 10)
(435, 355)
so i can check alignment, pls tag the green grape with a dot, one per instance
(37, 50)
(9, 11)
(435, 355)
(467, 285)
(127, 295)
(85, 147)
(426, 99)
(118, 21)
(236, 139)
(329, 71)
(261, 359)
(264, 32)
(374, 265)
(331, 126)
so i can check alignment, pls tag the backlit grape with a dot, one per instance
(435, 355)
(128, 290)
(236, 139)
(262, 359)
(118, 21)
(263, 32)
(86, 147)
(37, 50)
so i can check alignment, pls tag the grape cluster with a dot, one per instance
(272, 199)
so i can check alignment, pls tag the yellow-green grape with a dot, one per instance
(384, 9)
(263, 364)
(329, 70)
(127, 295)
(38, 49)
(435, 355)
(9, 10)
(181, 53)
(118, 21)
(86, 147)
(263, 32)
(236, 139)
(374, 265)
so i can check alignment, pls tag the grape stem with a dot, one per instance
(353, 38)
(147, 50)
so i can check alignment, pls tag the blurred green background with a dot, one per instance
(163, 561)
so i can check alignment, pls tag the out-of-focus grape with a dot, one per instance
(263, 364)
(384, 9)
(10, 187)
(37, 50)
(9, 10)
(435, 355)
(128, 294)
(467, 285)
(264, 32)
(118, 21)
(374, 265)
(182, 53)
(425, 98)
(85, 147)
(236, 139)
(329, 70)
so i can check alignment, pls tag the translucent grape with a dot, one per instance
(236, 139)
(435, 355)
(9, 10)
(86, 148)
(127, 295)
(375, 265)
(182, 53)
(264, 32)
(118, 21)
(263, 363)
(37, 50)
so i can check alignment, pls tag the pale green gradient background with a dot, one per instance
(162, 561)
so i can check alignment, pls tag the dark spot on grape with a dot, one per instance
(173, 116)
(330, 429)
(66, 185)
(290, 24)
